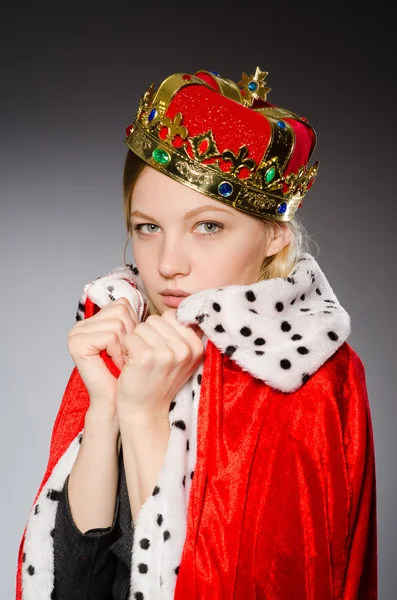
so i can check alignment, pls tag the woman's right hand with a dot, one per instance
(88, 338)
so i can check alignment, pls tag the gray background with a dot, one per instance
(70, 84)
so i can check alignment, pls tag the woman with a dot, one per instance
(215, 438)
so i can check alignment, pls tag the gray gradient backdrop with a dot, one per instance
(70, 84)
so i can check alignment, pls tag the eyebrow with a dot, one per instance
(191, 213)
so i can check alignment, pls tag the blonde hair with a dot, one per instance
(278, 265)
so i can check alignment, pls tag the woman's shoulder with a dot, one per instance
(343, 370)
(335, 395)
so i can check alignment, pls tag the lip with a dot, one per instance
(177, 293)
(174, 301)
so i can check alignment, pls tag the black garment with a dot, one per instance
(94, 565)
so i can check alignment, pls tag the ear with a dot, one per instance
(281, 237)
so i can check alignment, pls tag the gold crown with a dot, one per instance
(266, 192)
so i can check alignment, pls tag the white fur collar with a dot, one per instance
(280, 330)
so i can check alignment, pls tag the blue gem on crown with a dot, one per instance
(282, 208)
(252, 86)
(225, 189)
(152, 114)
(215, 73)
(282, 124)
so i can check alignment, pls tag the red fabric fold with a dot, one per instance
(283, 500)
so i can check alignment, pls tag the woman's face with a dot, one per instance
(185, 240)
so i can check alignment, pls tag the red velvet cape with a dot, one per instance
(283, 500)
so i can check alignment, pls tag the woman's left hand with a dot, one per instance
(160, 356)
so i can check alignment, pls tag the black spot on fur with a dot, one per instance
(144, 543)
(250, 296)
(259, 352)
(156, 490)
(219, 328)
(31, 570)
(142, 568)
(199, 377)
(305, 377)
(36, 509)
(159, 520)
(177, 570)
(296, 337)
(303, 350)
(166, 535)
(230, 350)
(333, 336)
(318, 291)
(259, 341)
(303, 297)
(54, 495)
(187, 445)
(180, 424)
(279, 306)
(285, 363)
(216, 306)
(245, 331)
(252, 310)
(285, 326)
(172, 406)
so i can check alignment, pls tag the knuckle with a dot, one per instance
(146, 357)
(168, 315)
(113, 337)
(165, 356)
(122, 300)
(122, 308)
(152, 318)
(183, 352)
(118, 326)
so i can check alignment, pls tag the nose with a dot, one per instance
(174, 259)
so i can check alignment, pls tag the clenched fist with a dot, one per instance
(160, 355)
(88, 338)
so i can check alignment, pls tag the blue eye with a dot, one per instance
(139, 227)
(212, 232)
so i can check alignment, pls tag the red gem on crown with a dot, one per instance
(129, 130)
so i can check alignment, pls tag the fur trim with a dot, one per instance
(38, 556)
(279, 330)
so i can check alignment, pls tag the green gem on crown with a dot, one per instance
(270, 174)
(161, 156)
